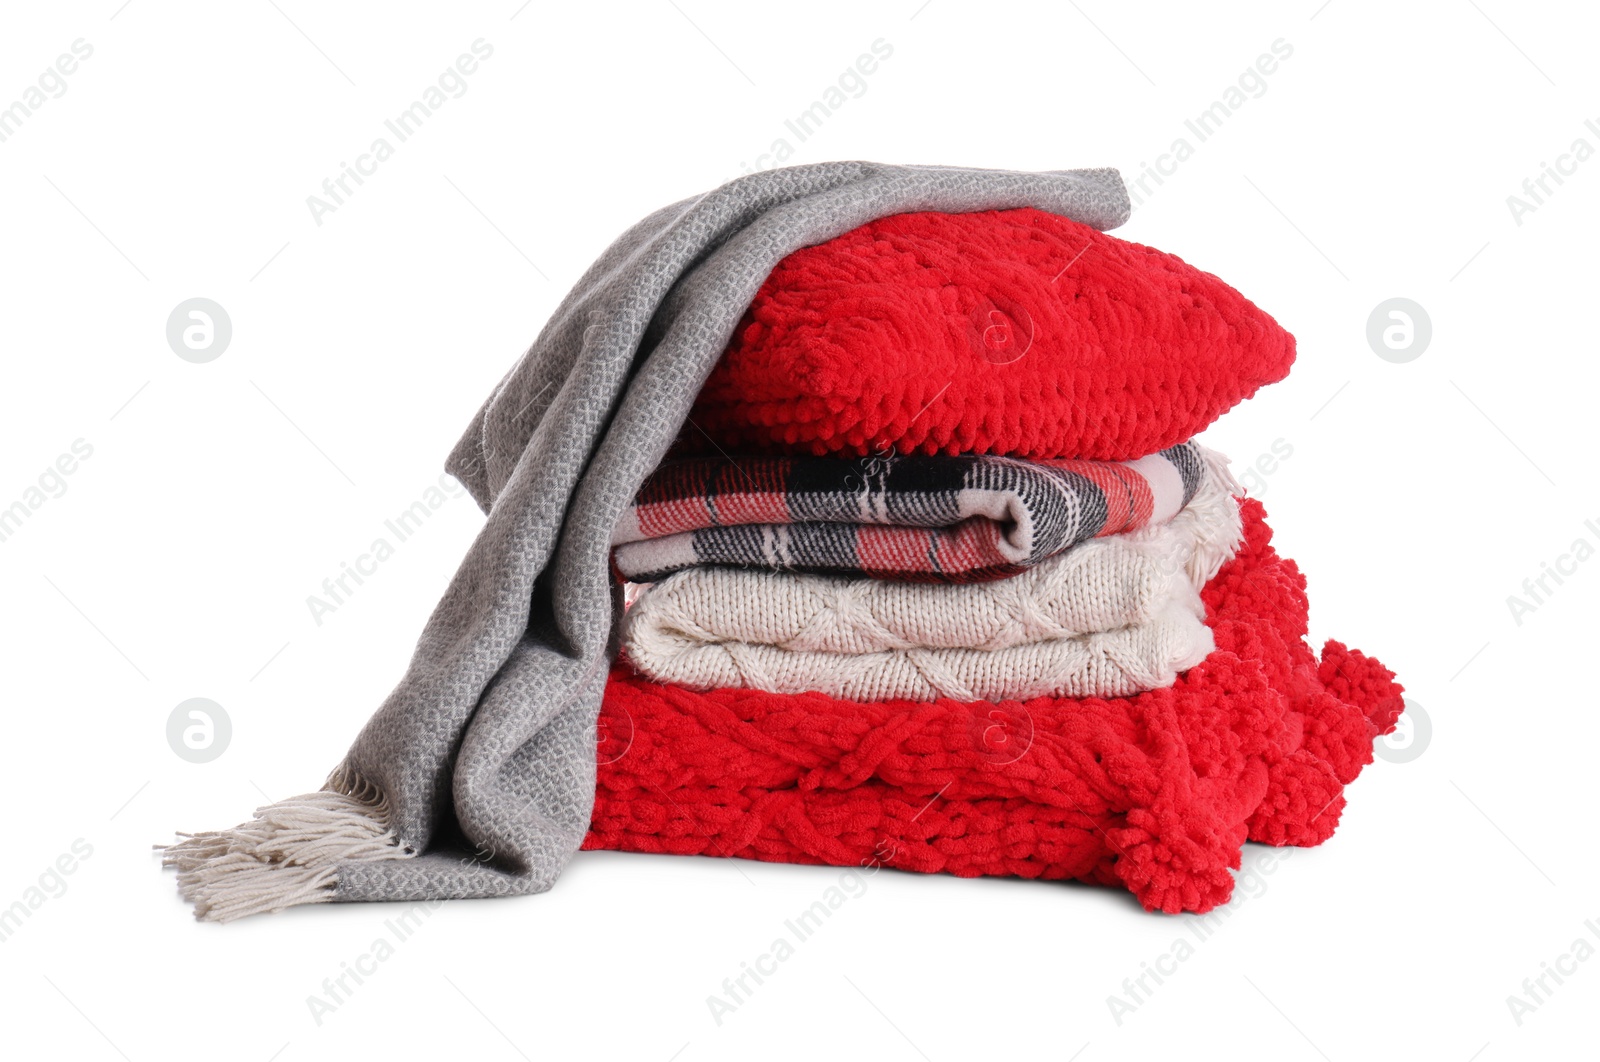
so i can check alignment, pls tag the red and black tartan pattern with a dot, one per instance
(916, 517)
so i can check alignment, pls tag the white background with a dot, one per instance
(1377, 163)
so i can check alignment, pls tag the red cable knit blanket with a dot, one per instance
(1156, 793)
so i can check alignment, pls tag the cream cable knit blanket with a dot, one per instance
(1112, 617)
(1116, 663)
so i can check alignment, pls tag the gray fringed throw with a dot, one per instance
(476, 777)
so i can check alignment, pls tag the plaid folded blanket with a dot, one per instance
(914, 517)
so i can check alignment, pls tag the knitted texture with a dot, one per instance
(1111, 617)
(1102, 664)
(1155, 793)
(1011, 332)
(1101, 585)
(961, 519)
(1338, 702)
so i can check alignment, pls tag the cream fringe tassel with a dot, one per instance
(288, 854)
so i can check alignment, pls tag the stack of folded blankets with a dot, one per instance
(938, 578)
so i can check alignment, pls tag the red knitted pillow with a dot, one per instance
(1013, 332)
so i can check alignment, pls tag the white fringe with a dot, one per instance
(288, 854)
